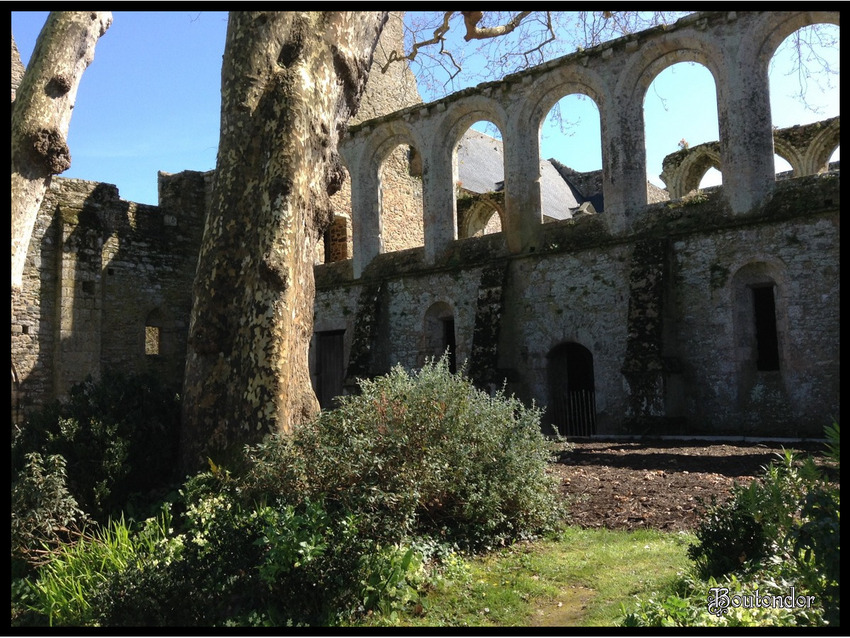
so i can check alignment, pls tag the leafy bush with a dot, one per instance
(758, 520)
(333, 520)
(44, 514)
(419, 453)
(780, 531)
(118, 437)
(700, 603)
(817, 539)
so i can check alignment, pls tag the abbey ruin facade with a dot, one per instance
(625, 310)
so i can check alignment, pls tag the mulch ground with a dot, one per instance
(660, 484)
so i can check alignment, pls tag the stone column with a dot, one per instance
(523, 209)
(365, 204)
(624, 161)
(746, 134)
(439, 177)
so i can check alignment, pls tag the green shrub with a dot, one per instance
(208, 575)
(119, 438)
(333, 520)
(758, 520)
(817, 539)
(703, 603)
(784, 526)
(419, 453)
(44, 513)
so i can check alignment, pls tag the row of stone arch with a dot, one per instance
(807, 148)
(735, 47)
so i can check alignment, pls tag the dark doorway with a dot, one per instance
(330, 366)
(572, 395)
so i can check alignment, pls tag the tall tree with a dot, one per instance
(41, 115)
(290, 82)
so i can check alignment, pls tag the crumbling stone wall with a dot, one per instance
(99, 270)
(657, 308)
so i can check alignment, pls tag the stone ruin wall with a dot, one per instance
(101, 273)
(653, 292)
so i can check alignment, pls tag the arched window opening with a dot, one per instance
(401, 200)
(782, 167)
(835, 158)
(480, 187)
(572, 392)
(758, 321)
(803, 74)
(680, 113)
(712, 177)
(571, 159)
(439, 334)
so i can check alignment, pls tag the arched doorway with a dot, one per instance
(572, 394)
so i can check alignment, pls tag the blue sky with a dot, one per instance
(150, 101)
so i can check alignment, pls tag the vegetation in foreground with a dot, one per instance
(769, 556)
(413, 503)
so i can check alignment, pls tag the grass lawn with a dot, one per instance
(582, 578)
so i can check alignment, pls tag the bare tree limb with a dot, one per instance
(471, 19)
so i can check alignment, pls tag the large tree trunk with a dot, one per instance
(41, 115)
(290, 82)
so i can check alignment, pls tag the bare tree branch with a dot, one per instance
(471, 19)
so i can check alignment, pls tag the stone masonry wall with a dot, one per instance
(577, 289)
(99, 271)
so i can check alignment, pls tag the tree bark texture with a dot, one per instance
(290, 82)
(41, 115)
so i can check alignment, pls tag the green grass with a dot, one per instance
(581, 579)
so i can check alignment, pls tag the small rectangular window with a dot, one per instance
(152, 340)
(767, 338)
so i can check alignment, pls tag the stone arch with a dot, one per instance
(791, 154)
(483, 216)
(684, 170)
(454, 124)
(626, 139)
(465, 112)
(558, 84)
(439, 334)
(820, 149)
(771, 28)
(759, 315)
(572, 389)
(395, 145)
(646, 63)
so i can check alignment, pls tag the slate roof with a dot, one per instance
(480, 165)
